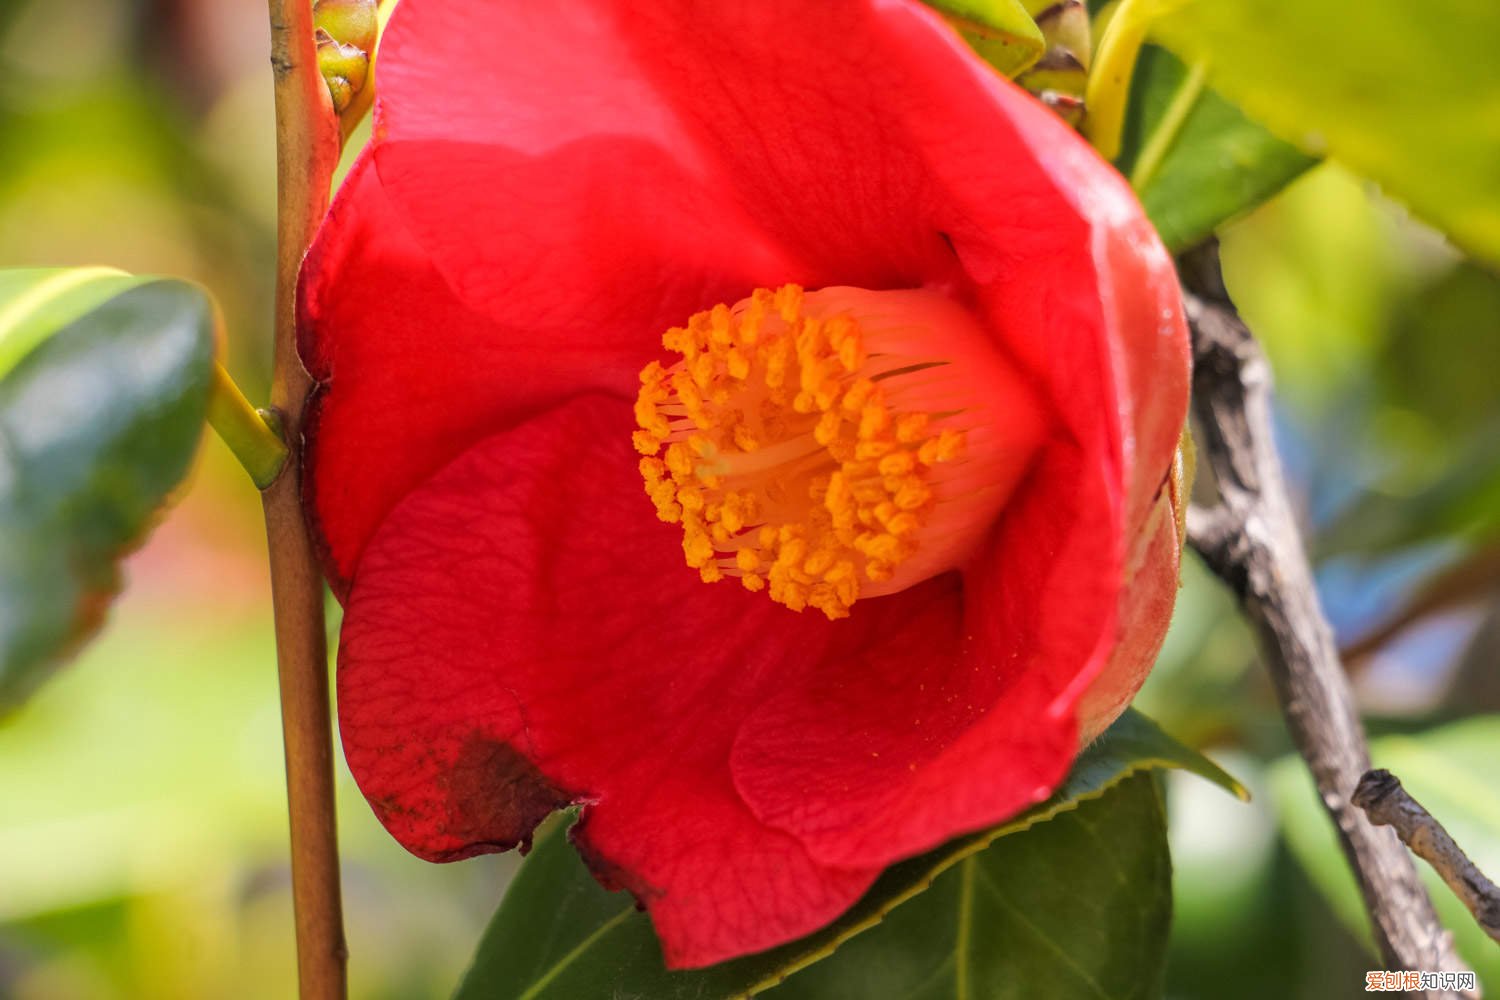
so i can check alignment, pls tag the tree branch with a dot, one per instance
(307, 149)
(1250, 540)
(1381, 796)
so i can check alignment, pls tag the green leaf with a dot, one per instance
(104, 382)
(1001, 32)
(1194, 158)
(559, 935)
(1450, 770)
(37, 302)
(1076, 907)
(1404, 93)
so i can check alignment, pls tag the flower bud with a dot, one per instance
(352, 22)
(344, 69)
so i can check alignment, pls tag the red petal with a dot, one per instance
(520, 636)
(409, 376)
(662, 138)
(825, 143)
(1096, 313)
(1147, 332)
(881, 756)
(540, 166)
(1145, 613)
(885, 755)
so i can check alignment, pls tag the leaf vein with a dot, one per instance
(1065, 959)
(535, 989)
(965, 929)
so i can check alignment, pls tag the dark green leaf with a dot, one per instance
(1194, 158)
(1404, 93)
(559, 935)
(1076, 907)
(104, 382)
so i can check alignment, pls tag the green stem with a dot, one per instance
(1109, 77)
(254, 441)
(1169, 127)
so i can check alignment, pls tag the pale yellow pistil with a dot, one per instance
(832, 445)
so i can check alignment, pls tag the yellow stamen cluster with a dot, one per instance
(773, 444)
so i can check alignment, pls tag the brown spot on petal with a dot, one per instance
(495, 799)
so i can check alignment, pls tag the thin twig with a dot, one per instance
(307, 148)
(1250, 540)
(1381, 796)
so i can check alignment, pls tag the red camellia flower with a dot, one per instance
(751, 422)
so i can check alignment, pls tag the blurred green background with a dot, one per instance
(142, 812)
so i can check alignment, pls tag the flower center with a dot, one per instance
(833, 445)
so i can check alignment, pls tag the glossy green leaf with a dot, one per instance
(1404, 93)
(1194, 158)
(559, 935)
(1001, 31)
(37, 302)
(104, 382)
(1450, 771)
(1077, 907)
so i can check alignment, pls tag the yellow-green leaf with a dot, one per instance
(1406, 94)
(999, 30)
(1194, 158)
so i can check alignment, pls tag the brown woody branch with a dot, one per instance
(1381, 796)
(307, 149)
(1251, 541)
